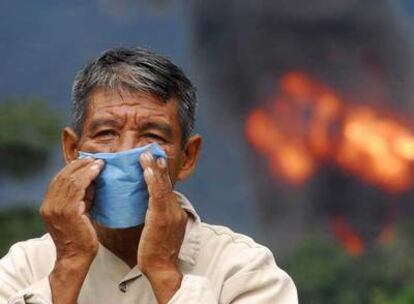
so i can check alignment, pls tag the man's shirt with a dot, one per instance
(218, 266)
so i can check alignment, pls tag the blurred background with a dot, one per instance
(306, 109)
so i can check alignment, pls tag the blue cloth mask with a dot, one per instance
(121, 195)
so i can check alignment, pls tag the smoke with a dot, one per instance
(356, 47)
(354, 44)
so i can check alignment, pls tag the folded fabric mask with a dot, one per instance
(121, 196)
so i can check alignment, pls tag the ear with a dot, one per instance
(69, 142)
(190, 157)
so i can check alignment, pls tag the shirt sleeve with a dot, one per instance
(194, 289)
(261, 286)
(257, 279)
(37, 293)
(18, 284)
(271, 285)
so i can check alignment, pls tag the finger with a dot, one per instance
(159, 184)
(158, 178)
(155, 196)
(161, 174)
(81, 207)
(146, 160)
(84, 215)
(75, 165)
(159, 166)
(80, 180)
(88, 173)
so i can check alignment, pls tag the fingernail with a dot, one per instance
(148, 156)
(162, 163)
(97, 164)
(95, 167)
(149, 172)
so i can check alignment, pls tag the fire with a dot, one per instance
(377, 149)
(307, 123)
(351, 241)
(287, 155)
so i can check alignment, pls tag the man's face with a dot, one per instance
(123, 120)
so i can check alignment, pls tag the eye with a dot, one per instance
(154, 136)
(105, 134)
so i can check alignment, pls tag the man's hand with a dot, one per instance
(163, 231)
(64, 211)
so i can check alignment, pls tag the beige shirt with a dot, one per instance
(219, 266)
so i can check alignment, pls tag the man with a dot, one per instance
(124, 99)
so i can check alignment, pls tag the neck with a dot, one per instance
(121, 242)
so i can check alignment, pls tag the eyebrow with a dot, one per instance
(163, 127)
(103, 122)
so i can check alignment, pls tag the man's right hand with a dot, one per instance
(64, 211)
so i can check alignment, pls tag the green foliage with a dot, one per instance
(18, 225)
(406, 296)
(316, 266)
(29, 128)
(324, 273)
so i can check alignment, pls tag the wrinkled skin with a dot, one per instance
(118, 121)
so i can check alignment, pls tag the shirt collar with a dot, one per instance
(191, 243)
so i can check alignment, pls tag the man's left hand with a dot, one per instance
(163, 231)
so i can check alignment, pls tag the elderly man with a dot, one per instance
(138, 108)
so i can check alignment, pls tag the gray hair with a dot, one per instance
(135, 69)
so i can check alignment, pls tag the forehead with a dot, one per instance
(126, 103)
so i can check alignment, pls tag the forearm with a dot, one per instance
(165, 284)
(67, 278)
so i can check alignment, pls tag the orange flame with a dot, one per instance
(308, 123)
(285, 155)
(351, 241)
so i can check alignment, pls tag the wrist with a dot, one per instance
(164, 276)
(165, 283)
(67, 277)
(72, 264)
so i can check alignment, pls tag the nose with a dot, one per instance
(127, 141)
